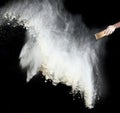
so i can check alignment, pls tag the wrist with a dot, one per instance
(117, 25)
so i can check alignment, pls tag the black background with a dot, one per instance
(38, 96)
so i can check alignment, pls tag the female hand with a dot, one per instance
(109, 30)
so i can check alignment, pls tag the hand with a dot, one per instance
(109, 30)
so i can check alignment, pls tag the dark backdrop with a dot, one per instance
(38, 96)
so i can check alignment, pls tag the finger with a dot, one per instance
(107, 32)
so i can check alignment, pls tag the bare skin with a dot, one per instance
(111, 28)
